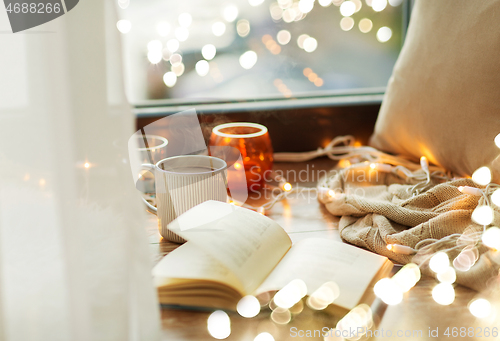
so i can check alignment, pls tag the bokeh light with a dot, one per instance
(407, 277)
(325, 3)
(208, 51)
(482, 215)
(379, 5)
(155, 56)
(265, 336)
(365, 25)
(347, 8)
(491, 238)
(173, 45)
(248, 306)
(346, 23)
(306, 6)
(124, 26)
(202, 67)
(447, 276)
(495, 197)
(301, 39)
(384, 34)
(482, 176)
(185, 20)
(255, 2)
(178, 69)
(230, 13)
(175, 59)
(218, 28)
(443, 294)
(388, 291)
(219, 325)
(181, 33)
(439, 262)
(170, 79)
(163, 28)
(243, 28)
(248, 60)
(497, 140)
(290, 294)
(284, 37)
(480, 308)
(310, 44)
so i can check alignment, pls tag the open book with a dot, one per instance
(232, 252)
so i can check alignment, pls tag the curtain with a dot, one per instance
(74, 257)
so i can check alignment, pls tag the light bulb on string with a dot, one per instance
(482, 215)
(482, 176)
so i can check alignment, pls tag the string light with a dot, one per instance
(480, 308)
(219, 325)
(86, 165)
(439, 262)
(290, 294)
(491, 238)
(447, 276)
(388, 291)
(497, 140)
(401, 249)
(482, 176)
(495, 197)
(407, 277)
(470, 190)
(443, 294)
(248, 306)
(482, 215)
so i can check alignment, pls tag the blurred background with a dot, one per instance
(212, 50)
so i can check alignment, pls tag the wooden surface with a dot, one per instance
(304, 217)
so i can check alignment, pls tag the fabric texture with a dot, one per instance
(442, 100)
(380, 208)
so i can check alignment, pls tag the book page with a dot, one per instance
(247, 243)
(190, 262)
(317, 261)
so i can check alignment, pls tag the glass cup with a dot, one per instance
(150, 149)
(244, 145)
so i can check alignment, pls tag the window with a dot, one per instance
(214, 51)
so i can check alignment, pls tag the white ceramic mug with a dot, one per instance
(183, 182)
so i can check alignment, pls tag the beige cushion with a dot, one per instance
(443, 99)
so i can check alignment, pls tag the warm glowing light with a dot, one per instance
(310, 44)
(218, 28)
(163, 28)
(325, 3)
(248, 60)
(358, 4)
(124, 26)
(219, 325)
(447, 276)
(170, 79)
(480, 308)
(290, 294)
(86, 165)
(495, 197)
(306, 6)
(276, 11)
(181, 33)
(439, 262)
(185, 20)
(287, 187)
(261, 210)
(466, 259)
(208, 51)
(173, 45)
(346, 23)
(379, 5)
(175, 59)
(155, 56)
(42, 182)
(283, 37)
(265, 336)
(255, 2)
(491, 238)
(301, 39)
(482, 176)
(178, 69)
(248, 306)
(344, 163)
(230, 13)
(347, 8)
(388, 291)
(395, 3)
(470, 190)
(281, 315)
(384, 34)
(202, 67)
(155, 45)
(443, 294)
(243, 28)
(331, 193)
(365, 25)
(482, 215)
(497, 140)
(373, 166)
(323, 296)
(407, 277)
(123, 3)
(359, 319)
